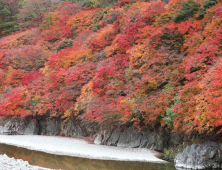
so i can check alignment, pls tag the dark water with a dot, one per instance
(72, 163)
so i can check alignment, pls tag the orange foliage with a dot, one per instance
(120, 64)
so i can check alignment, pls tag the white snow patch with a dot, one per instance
(79, 148)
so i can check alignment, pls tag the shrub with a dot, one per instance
(169, 154)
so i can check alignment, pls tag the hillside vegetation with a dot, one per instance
(109, 62)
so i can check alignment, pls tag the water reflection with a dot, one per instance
(72, 163)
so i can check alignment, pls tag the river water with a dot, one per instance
(73, 163)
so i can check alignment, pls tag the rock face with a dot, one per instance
(130, 138)
(114, 138)
(106, 136)
(42, 127)
(28, 127)
(176, 139)
(121, 136)
(50, 127)
(205, 156)
(22, 126)
(156, 140)
(71, 129)
(98, 140)
(2, 129)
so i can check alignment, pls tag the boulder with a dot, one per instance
(205, 156)
(130, 138)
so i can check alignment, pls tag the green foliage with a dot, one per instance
(22, 3)
(30, 14)
(8, 18)
(127, 7)
(164, 19)
(48, 21)
(169, 154)
(206, 4)
(209, 3)
(167, 87)
(65, 42)
(117, 64)
(170, 114)
(189, 9)
(99, 3)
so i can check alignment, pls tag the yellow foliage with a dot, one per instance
(193, 43)
(138, 55)
(85, 97)
(83, 20)
(106, 31)
(110, 50)
(212, 21)
(68, 113)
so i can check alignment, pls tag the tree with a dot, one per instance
(32, 12)
(8, 11)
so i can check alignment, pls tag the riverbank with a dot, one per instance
(79, 148)
(16, 164)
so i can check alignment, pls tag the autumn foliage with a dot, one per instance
(144, 63)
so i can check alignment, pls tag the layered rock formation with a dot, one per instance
(205, 156)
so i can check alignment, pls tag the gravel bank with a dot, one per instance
(7, 163)
(79, 148)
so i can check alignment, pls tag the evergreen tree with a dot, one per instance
(8, 17)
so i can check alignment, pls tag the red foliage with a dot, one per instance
(218, 11)
(32, 76)
(125, 63)
(14, 79)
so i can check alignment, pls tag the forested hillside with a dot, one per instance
(130, 61)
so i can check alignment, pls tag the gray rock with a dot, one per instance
(50, 127)
(175, 139)
(28, 127)
(53, 127)
(207, 155)
(1, 121)
(114, 138)
(160, 142)
(23, 126)
(2, 129)
(98, 140)
(155, 140)
(130, 138)
(149, 140)
(106, 136)
(71, 129)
